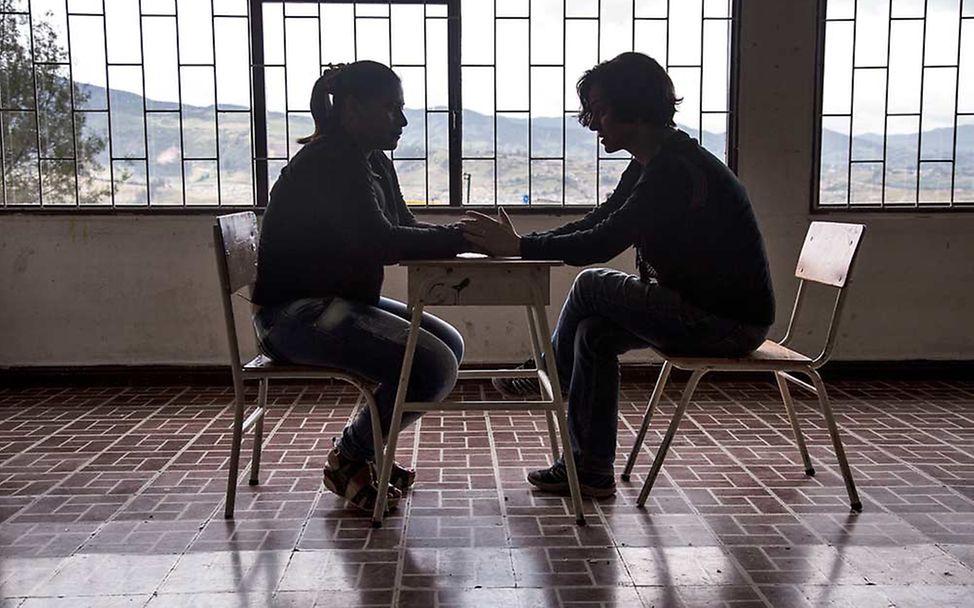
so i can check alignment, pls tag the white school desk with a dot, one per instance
(472, 280)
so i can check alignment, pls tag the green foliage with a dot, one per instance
(39, 121)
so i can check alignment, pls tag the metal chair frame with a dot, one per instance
(841, 242)
(235, 239)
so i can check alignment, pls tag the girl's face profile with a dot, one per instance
(378, 122)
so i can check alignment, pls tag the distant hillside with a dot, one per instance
(199, 139)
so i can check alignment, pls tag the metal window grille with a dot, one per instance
(528, 147)
(896, 105)
(167, 128)
(97, 122)
(415, 37)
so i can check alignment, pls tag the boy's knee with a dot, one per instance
(586, 279)
(595, 336)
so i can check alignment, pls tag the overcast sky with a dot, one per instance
(152, 41)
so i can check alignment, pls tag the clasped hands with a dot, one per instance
(494, 237)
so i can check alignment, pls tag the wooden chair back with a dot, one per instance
(235, 239)
(828, 253)
(826, 258)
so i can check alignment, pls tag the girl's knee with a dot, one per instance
(434, 372)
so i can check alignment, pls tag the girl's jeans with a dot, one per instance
(368, 341)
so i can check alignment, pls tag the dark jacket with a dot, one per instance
(335, 217)
(693, 228)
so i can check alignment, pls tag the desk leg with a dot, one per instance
(536, 351)
(389, 454)
(551, 369)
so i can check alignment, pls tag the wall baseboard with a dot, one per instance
(215, 375)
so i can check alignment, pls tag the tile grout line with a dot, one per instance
(679, 489)
(499, 488)
(825, 542)
(401, 548)
(886, 452)
(242, 471)
(57, 569)
(46, 437)
(87, 462)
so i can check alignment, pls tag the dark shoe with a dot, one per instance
(554, 480)
(518, 388)
(353, 481)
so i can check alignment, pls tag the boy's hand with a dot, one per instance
(495, 237)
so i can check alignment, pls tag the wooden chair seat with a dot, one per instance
(769, 356)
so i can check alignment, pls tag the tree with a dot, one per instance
(39, 120)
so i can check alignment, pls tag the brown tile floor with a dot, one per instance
(112, 497)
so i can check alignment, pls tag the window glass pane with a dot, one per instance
(235, 166)
(616, 28)
(547, 44)
(94, 162)
(233, 63)
(478, 112)
(50, 21)
(199, 114)
(512, 159)
(407, 34)
(127, 118)
(512, 65)
(122, 20)
(547, 112)
(201, 182)
(476, 37)
(129, 178)
(195, 31)
(893, 106)
(165, 164)
(162, 89)
(20, 171)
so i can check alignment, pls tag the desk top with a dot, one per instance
(477, 259)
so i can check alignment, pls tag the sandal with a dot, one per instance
(354, 482)
(401, 478)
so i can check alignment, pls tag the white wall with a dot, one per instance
(97, 290)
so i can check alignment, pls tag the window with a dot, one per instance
(117, 103)
(301, 38)
(179, 104)
(520, 60)
(897, 105)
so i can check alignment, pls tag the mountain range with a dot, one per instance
(199, 139)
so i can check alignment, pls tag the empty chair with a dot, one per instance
(235, 239)
(826, 258)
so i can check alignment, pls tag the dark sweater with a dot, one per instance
(693, 228)
(335, 217)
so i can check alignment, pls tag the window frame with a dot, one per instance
(881, 209)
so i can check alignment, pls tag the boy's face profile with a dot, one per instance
(602, 122)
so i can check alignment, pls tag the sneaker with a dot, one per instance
(353, 481)
(518, 388)
(554, 479)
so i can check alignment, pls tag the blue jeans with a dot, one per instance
(608, 313)
(368, 341)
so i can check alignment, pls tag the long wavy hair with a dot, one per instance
(636, 87)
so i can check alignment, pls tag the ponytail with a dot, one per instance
(362, 81)
(322, 108)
